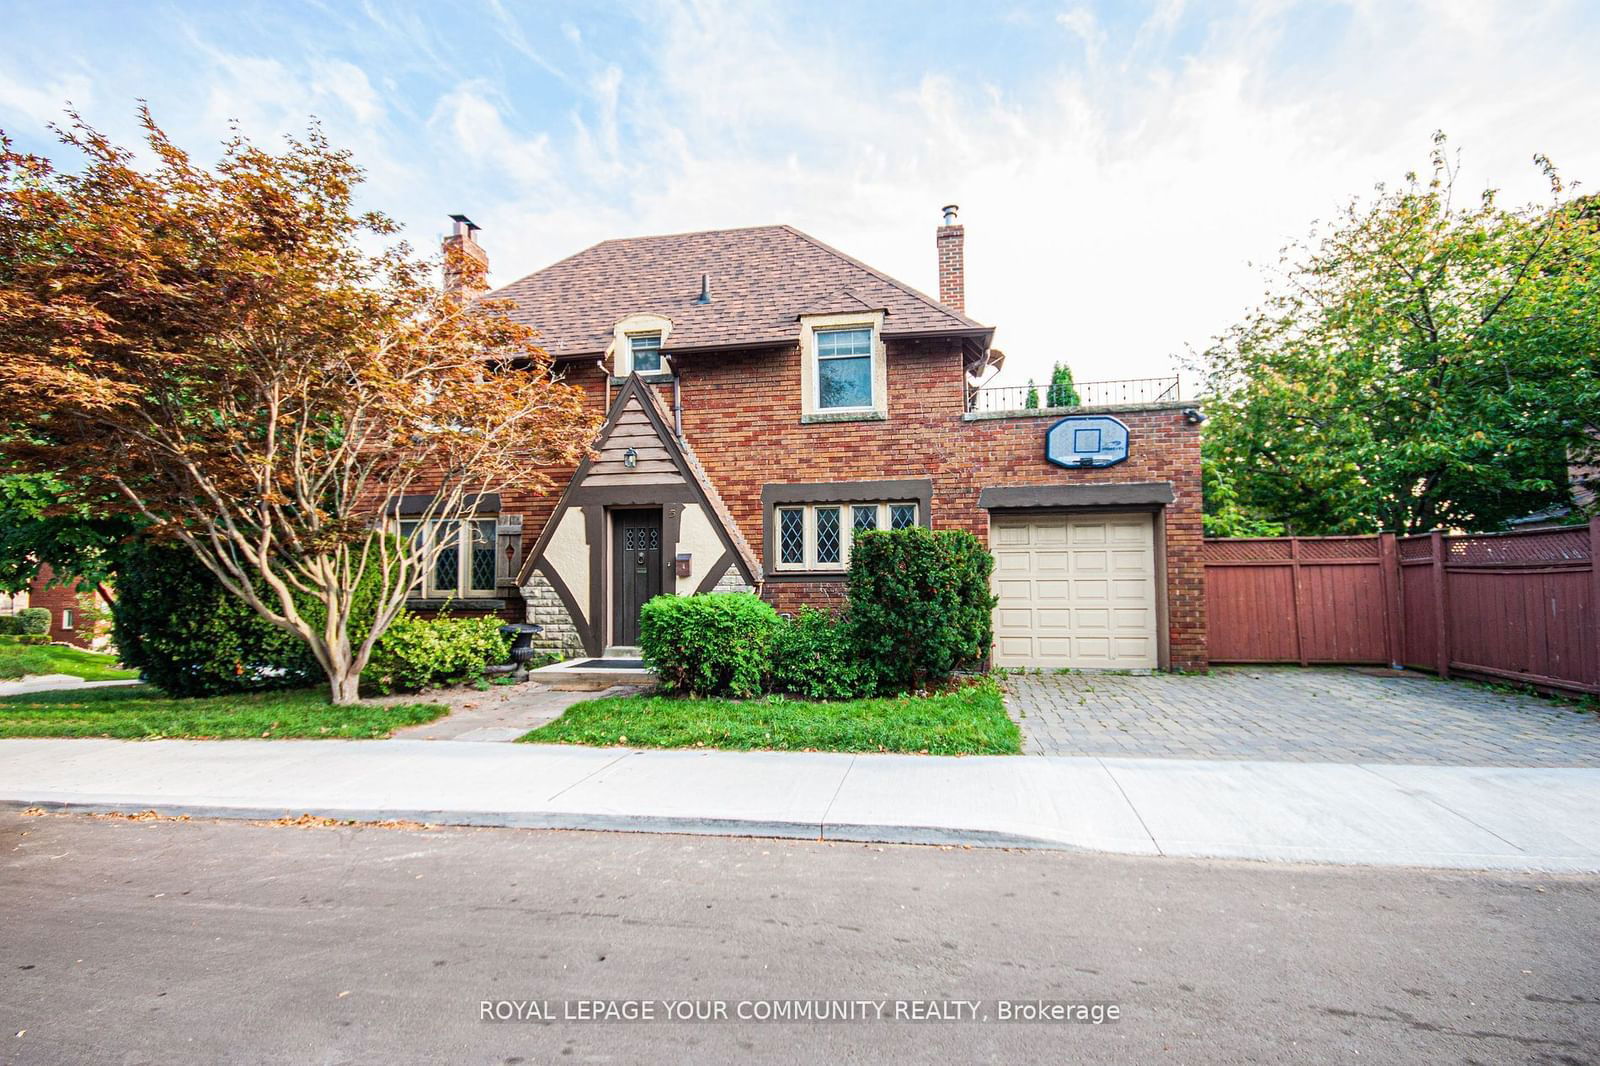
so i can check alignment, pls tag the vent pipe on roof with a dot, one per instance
(705, 289)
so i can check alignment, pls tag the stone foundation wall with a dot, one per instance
(560, 636)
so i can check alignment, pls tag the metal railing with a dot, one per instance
(1089, 394)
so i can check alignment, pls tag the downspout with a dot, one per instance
(677, 399)
(601, 363)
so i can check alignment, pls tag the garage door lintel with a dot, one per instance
(1140, 494)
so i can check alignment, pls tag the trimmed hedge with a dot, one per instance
(920, 604)
(10, 625)
(717, 644)
(174, 622)
(417, 653)
(33, 621)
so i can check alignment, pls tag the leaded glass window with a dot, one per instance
(829, 542)
(864, 516)
(483, 557)
(447, 564)
(792, 537)
(902, 515)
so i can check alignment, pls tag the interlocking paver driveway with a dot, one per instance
(1330, 714)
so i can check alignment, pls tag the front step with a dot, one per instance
(621, 651)
(589, 674)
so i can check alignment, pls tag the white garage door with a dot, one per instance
(1075, 590)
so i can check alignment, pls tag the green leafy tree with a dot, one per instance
(1032, 402)
(43, 522)
(1063, 393)
(1417, 364)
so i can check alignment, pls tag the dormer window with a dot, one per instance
(844, 369)
(843, 377)
(644, 351)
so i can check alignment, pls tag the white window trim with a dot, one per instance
(621, 349)
(810, 326)
(66, 618)
(847, 532)
(425, 587)
(661, 353)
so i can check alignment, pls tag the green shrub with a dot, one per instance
(718, 644)
(187, 635)
(815, 656)
(33, 620)
(34, 638)
(10, 625)
(417, 653)
(175, 623)
(920, 604)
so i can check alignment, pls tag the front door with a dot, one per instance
(636, 571)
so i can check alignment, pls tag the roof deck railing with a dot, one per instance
(1127, 391)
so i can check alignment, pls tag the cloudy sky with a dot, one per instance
(1119, 166)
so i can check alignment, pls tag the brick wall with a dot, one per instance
(742, 418)
(57, 599)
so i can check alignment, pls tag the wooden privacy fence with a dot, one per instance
(1522, 606)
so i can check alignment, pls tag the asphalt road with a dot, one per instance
(166, 942)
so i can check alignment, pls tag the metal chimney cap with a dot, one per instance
(950, 213)
(462, 221)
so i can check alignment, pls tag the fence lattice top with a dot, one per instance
(1536, 547)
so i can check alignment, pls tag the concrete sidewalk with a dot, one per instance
(1459, 817)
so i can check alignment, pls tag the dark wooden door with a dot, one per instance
(636, 574)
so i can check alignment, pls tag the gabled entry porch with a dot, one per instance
(639, 518)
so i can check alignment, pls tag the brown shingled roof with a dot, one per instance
(762, 279)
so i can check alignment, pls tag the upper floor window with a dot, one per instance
(843, 373)
(844, 369)
(644, 352)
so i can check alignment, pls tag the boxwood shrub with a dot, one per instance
(717, 644)
(33, 621)
(417, 653)
(920, 604)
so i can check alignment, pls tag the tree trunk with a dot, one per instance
(345, 688)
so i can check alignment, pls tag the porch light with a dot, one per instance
(630, 458)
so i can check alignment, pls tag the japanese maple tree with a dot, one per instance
(240, 358)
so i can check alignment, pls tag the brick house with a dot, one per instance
(766, 396)
(62, 601)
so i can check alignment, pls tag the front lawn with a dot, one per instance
(971, 720)
(21, 660)
(144, 712)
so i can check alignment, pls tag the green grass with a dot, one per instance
(143, 712)
(968, 721)
(20, 660)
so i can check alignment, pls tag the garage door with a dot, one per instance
(1075, 590)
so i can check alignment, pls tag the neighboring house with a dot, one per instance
(66, 624)
(767, 397)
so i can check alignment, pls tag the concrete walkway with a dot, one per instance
(1461, 817)
(56, 683)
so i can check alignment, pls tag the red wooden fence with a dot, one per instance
(1522, 606)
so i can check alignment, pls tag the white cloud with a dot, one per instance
(43, 102)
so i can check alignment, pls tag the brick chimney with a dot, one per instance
(466, 264)
(951, 240)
